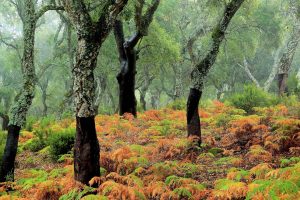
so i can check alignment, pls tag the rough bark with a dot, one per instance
(286, 61)
(29, 16)
(90, 36)
(202, 68)
(21, 106)
(86, 143)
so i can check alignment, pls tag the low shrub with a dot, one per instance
(252, 97)
(61, 142)
(29, 123)
(179, 104)
(34, 145)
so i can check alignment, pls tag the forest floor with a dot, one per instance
(242, 157)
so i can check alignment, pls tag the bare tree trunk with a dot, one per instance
(273, 73)
(193, 118)
(128, 55)
(126, 77)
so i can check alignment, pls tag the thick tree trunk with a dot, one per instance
(193, 118)
(90, 37)
(128, 55)
(7, 168)
(126, 80)
(86, 150)
(126, 77)
(282, 84)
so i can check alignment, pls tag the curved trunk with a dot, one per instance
(23, 103)
(193, 118)
(202, 68)
(126, 77)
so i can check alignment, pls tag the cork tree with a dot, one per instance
(90, 36)
(202, 67)
(128, 54)
(29, 17)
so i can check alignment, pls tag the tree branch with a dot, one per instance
(247, 70)
(46, 8)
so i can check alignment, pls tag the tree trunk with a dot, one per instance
(128, 55)
(23, 103)
(202, 68)
(287, 59)
(143, 99)
(219, 94)
(90, 36)
(126, 77)
(282, 84)
(44, 102)
(193, 118)
(86, 150)
(5, 121)
(126, 80)
(8, 162)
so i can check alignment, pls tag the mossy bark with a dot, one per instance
(90, 36)
(202, 68)
(20, 108)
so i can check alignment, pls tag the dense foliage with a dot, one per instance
(250, 156)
